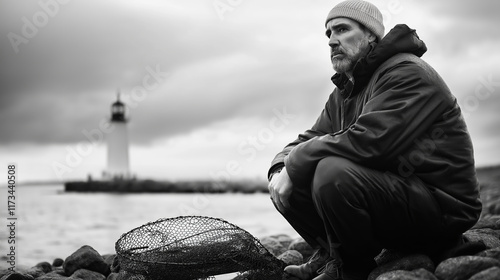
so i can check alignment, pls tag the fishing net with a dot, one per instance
(194, 247)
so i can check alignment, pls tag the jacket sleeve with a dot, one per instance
(321, 127)
(405, 102)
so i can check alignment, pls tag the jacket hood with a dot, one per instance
(400, 39)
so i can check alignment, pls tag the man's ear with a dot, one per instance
(371, 37)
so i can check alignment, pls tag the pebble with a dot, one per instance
(463, 267)
(419, 274)
(56, 274)
(291, 257)
(57, 262)
(284, 239)
(86, 274)
(302, 246)
(17, 276)
(491, 253)
(407, 263)
(492, 273)
(491, 241)
(86, 258)
(273, 245)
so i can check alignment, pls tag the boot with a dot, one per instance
(336, 270)
(331, 271)
(309, 269)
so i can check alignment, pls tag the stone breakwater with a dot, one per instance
(87, 263)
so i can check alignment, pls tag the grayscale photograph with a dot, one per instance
(250, 140)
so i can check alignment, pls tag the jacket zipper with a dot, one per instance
(342, 113)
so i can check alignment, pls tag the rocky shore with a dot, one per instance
(482, 265)
(87, 263)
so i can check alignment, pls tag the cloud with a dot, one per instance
(64, 79)
(194, 97)
(91, 45)
(484, 10)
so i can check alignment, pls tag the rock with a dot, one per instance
(22, 269)
(489, 231)
(284, 239)
(109, 259)
(493, 253)
(39, 269)
(86, 274)
(55, 274)
(493, 207)
(115, 266)
(17, 276)
(273, 245)
(492, 222)
(419, 274)
(408, 263)
(85, 258)
(424, 274)
(489, 240)
(303, 247)
(492, 273)
(57, 262)
(291, 257)
(462, 268)
(5, 272)
(45, 267)
(35, 273)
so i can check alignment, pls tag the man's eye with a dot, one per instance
(341, 29)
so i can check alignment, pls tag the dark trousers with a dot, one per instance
(360, 210)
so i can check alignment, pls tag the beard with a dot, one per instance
(347, 59)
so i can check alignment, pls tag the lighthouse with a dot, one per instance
(117, 141)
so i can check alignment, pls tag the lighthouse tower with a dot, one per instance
(117, 141)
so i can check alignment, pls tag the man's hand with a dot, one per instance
(280, 189)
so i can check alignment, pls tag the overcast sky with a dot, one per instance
(209, 84)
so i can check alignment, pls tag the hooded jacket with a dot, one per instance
(399, 118)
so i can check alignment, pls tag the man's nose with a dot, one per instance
(333, 41)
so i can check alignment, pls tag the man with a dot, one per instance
(388, 163)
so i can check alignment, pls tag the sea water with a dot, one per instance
(53, 223)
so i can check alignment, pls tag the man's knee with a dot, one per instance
(333, 167)
(335, 179)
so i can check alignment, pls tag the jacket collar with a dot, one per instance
(401, 39)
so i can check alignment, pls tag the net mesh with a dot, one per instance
(194, 247)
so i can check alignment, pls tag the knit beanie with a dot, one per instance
(361, 11)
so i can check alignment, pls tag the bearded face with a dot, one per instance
(349, 42)
(344, 59)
